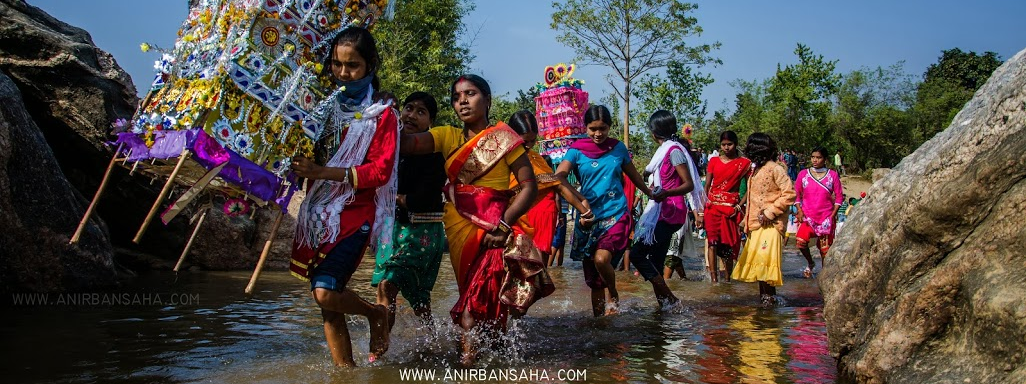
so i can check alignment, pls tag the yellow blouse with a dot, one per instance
(448, 139)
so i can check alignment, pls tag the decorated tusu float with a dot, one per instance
(560, 107)
(244, 89)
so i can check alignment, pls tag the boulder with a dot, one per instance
(880, 173)
(39, 210)
(927, 281)
(73, 91)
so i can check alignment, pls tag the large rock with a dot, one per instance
(73, 91)
(927, 282)
(37, 208)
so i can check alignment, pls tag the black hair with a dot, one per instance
(663, 124)
(523, 122)
(361, 40)
(761, 148)
(480, 83)
(822, 151)
(730, 136)
(598, 112)
(427, 99)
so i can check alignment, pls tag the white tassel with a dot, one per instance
(318, 219)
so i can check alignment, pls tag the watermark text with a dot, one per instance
(496, 374)
(102, 299)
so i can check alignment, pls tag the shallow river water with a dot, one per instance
(205, 329)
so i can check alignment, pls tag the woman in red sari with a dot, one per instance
(497, 266)
(540, 221)
(724, 178)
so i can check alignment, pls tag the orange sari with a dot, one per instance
(489, 280)
(540, 221)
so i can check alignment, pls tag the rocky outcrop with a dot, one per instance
(37, 207)
(880, 173)
(927, 282)
(73, 91)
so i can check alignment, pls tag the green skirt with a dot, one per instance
(412, 260)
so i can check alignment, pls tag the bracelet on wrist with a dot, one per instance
(503, 226)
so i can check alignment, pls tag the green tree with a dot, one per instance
(421, 49)
(947, 85)
(505, 105)
(707, 135)
(754, 111)
(678, 91)
(871, 119)
(800, 97)
(632, 37)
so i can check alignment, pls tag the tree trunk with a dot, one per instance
(627, 115)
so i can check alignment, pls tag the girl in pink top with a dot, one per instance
(819, 196)
(675, 175)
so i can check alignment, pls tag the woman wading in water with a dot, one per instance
(819, 197)
(600, 161)
(724, 180)
(770, 194)
(497, 267)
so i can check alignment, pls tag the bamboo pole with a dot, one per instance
(96, 198)
(265, 252)
(188, 245)
(162, 195)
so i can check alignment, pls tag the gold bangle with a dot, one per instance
(503, 226)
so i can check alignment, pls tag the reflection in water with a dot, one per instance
(759, 348)
(715, 365)
(275, 335)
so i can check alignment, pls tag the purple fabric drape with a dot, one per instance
(251, 177)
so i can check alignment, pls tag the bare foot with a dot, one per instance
(674, 307)
(612, 308)
(379, 332)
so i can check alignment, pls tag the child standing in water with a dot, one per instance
(819, 196)
(410, 263)
(770, 193)
(352, 197)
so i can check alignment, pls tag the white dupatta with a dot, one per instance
(645, 231)
(318, 221)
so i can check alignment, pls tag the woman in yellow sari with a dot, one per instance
(497, 266)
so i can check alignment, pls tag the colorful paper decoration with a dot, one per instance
(560, 111)
(245, 84)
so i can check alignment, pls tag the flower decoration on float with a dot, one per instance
(244, 82)
(560, 107)
(559, 75)
(236, 207)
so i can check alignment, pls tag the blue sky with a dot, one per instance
(513, 42)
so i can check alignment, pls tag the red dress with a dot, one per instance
(724, 184)
(374, 172)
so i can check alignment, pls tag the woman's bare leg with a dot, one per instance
(605, 269)
(348, 302)
(336, 332)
